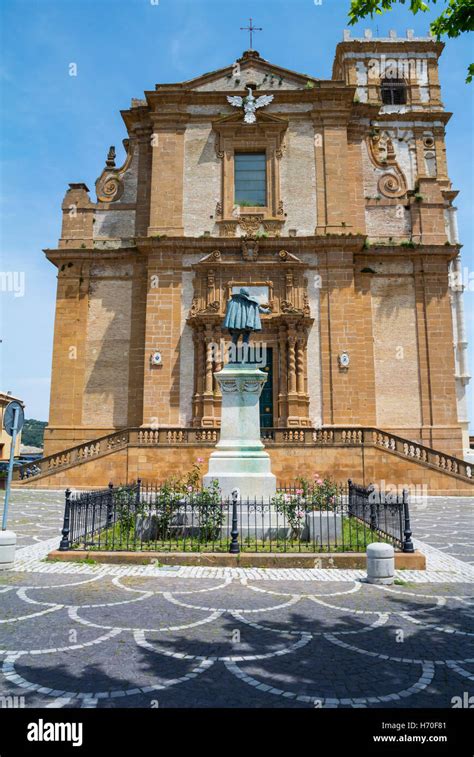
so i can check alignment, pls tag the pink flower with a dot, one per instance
(190, 488)
(200, 459)
(299, 491)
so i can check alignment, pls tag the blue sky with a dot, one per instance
(56, 128)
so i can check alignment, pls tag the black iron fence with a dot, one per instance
(144, 517)
(386, 512)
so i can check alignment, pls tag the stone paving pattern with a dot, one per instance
(79, 635)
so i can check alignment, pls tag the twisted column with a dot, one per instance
(292, 363)
(300, 365)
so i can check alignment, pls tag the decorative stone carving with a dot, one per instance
(240, 384)
(228, 387)
(273, 227)
(250, 224)
(194, 308)
(212, 307)
(109, 186)
(249, 249)
(109, 189)
(382, 154)
(253, 387)
(283, 274)
(429, 154)
(250, 104)
(218, 147)
(306, 307)
(288, 307)
(110, 162)
(392, 185)
(228, 228)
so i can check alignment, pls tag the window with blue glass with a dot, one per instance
(250, 171)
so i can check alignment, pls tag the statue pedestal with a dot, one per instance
(239, 460)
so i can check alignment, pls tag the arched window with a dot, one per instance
(394, 92)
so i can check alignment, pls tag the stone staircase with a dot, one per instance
(134, 452)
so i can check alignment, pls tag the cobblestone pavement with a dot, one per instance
(446, 523)
(79, 635)
(35, 514)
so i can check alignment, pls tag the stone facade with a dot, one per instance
(353, 249)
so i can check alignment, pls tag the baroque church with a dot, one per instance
(330, 201)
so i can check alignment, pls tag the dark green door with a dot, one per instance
(266, 397)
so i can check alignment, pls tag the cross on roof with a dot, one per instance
(251, 28)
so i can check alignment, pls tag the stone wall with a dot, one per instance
(107, 347)
(298, 179)
(202, 180)
(397, 388)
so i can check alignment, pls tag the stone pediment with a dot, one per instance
(249, 69)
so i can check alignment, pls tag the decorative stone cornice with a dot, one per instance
(109, 186)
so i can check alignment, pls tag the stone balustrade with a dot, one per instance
(336, 436)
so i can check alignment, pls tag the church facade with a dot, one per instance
(333, 207)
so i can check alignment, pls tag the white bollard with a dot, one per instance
(7, 549)
(380, 563)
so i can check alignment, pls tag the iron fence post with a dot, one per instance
(407, 542)
(373, 506)
(65, 544)
(138, 492)
(350, 508)
(110, 504)
(234, 545)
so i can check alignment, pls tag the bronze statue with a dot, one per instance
(242, 316)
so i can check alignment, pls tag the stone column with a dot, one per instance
(283, 378)
(198, 375)
(208, 396)
(293, 404)
(208, 374)
(291, 364)
(300, 365)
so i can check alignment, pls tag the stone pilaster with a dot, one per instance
(166, 203)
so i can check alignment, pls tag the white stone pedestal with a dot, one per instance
(239, 460)
(7, 549)
(380, 563)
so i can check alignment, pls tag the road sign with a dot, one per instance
(13, 420)
(9, 417)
